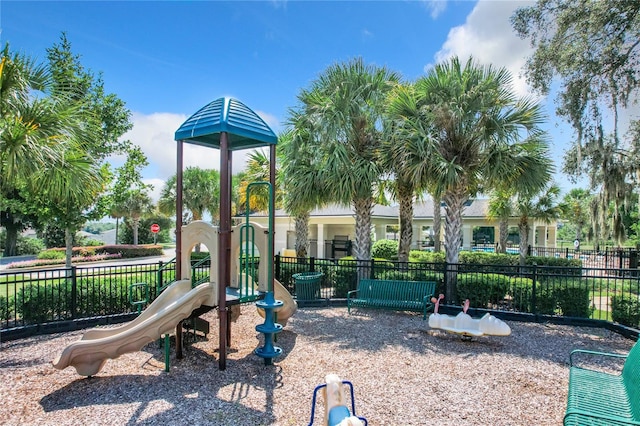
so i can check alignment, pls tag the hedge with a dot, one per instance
(626, 310)
(385, 249)
(127, 251)
(482, 289)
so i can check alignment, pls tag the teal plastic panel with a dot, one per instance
(245, 129)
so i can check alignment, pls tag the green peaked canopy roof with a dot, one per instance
(244, 127)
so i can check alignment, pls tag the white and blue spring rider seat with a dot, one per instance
(336, 411)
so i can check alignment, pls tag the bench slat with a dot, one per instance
(392, 294)
(599, 398)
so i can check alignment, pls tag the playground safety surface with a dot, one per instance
(403, 372)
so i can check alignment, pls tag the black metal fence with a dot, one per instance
(49, 300)
(38, 299)
(605, 258)
(600, 294)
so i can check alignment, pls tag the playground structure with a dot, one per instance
(336, 412)
(228, 125)
(244, 240)
(465, 325)
(174, 304)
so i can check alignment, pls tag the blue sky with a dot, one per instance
(168, 59)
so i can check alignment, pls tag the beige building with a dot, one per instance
(330, 227)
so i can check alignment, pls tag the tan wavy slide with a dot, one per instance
(289, 305)
(176, 303)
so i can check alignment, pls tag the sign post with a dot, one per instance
(155, 228)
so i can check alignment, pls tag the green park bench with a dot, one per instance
(393, 295)
(601, 398)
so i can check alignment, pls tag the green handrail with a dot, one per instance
(160, 284)
(269, 254)
(247, 263)
(195, 282)
(133, 291)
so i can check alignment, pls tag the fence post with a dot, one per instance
(445, 277)
(276, 271)
(312, 264)
(633, 261)
(159, 278)
(74, 292)
(620, 262)
(534, 308)
(373, 269)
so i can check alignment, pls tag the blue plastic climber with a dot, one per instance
(269, 328)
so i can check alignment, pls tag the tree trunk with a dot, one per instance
(437, 223)
(503, 235)
(579, 226)
(197, 215)
(453, 237)
(68, 244)
(135, 223)
(302, 234)
(523, 230)
(11, 242)
(362, 245)
(405, 196)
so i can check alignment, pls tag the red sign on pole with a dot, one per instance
(155, 228)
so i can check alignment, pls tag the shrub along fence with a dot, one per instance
(606, 257)
(61, 299)
(538, 293)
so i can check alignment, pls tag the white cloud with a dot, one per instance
(158, 184)
(436, 7)
(271, 120)
(487, 35)
(279, 4)
(154, 133)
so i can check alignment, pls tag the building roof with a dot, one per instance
(421, 210)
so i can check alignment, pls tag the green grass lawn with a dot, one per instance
(601, 315)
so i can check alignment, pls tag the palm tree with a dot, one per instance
(469, 126)
(542, 206)
(258, 170)
(437, 219)
(575, 207)
(301, 176)
(200, 194)
(527, 185)
(136, 203)
(115, 212)
(128, 176)
(83, 182)
(36, 131)
(346, 105)
(405, 183)
(501, 208)
(41, 140)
